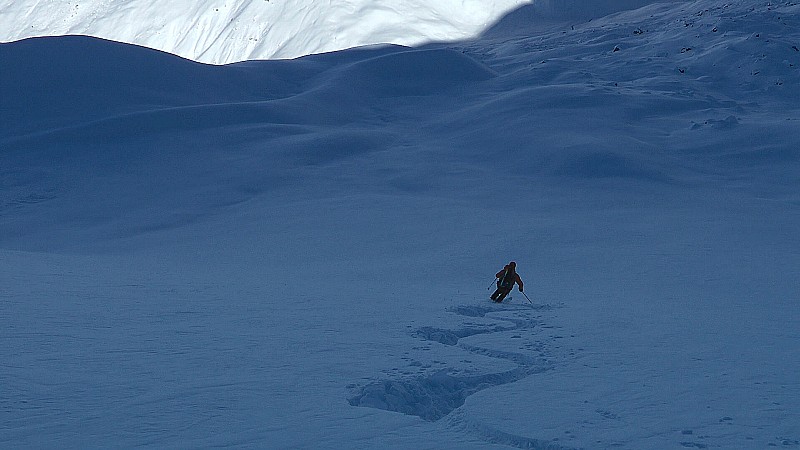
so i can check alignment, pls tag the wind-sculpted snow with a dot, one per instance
(285, 103)
(411, 73)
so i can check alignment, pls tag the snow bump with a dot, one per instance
(414, 73)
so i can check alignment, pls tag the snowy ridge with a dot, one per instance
(222, 32)
(296, 253)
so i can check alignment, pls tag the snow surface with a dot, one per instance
(224, 31)
(296, 253)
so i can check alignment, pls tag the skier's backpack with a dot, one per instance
(508, 278)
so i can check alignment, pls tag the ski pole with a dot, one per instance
(526, 296)
(490, 286)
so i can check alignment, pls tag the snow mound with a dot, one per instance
(409, 73)
(76, 78)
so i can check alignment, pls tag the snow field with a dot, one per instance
(296, 253)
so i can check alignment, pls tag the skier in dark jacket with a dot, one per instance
(505, 281)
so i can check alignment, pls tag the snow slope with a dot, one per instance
(221, 32)
(296, 253)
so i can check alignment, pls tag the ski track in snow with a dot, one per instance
(439, 395)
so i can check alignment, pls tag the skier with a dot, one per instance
(505, 281)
